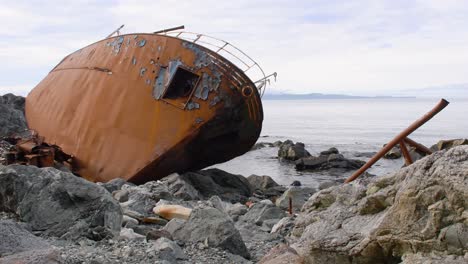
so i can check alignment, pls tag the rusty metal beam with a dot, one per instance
(405, 133)
(169, 29)
(405, 152)
(418, 146)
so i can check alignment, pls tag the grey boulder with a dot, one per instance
(210, 226)
(57, 203)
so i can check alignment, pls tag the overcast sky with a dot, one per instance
(328, 46)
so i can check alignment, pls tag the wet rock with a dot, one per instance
(11, 115)
(57, 203)
(168, 250)
(277, 143)
(281, 254)
(419, 209)
(261, 212)
(292, 151)
(296, 183)
(311, 163)
(394, 153)
(261, 145)
(335, 162)
(299, 196)
(214, 227)
(329, 152)
(448, 144)
(364, 154)
(172, 211)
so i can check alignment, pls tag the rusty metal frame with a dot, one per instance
(401, 139)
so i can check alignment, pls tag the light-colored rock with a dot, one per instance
(121, 195)
(283, 226)
(418, 210)
(128, 233)
(172, 211)
(299, 196)
(127, 220)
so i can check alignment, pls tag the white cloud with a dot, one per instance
(315, 46)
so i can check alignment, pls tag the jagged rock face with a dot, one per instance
(11, 115)
(422, 208)
(58, 203)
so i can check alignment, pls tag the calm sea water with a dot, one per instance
(351, 125)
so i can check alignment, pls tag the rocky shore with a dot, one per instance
(415, 215)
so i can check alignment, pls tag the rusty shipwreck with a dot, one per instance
(141, 106)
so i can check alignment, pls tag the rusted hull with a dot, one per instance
(140, 107)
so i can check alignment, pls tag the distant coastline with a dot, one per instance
(285, 96)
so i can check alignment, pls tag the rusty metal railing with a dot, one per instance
(239, 58)
(402, 139)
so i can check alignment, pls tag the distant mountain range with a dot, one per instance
(447, 91)
(286, 96)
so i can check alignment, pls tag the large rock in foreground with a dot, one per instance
(58, 203)
(11, 115)
(420, 209)
(211, 226)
